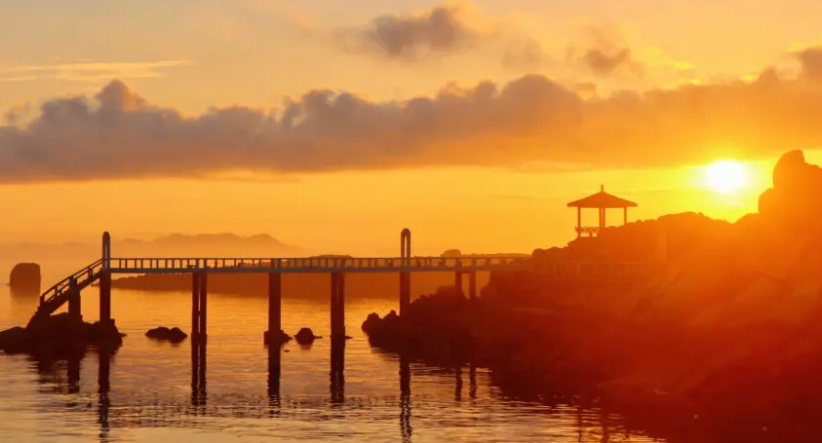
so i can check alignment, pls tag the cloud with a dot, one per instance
(91, 70)
(524, 53)
(603, 52)
(431, 33)
(811, 61)
(531, 120)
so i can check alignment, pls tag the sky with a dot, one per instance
(333, 125)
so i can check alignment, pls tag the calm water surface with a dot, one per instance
(148, 392)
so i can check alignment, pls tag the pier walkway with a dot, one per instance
(69, 290)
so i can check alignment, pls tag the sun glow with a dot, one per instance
(726, 176)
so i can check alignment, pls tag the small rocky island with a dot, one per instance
(25, 279)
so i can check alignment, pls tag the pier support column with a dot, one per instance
(274, 304)
(105, 298)
(203, 306)
(274, 372)
(338, 306)
(405, 276)
(472, 285)
(337, 370)
(405, 291)
(74, 303)
(195, 307)
(458, 282)
(198, 376)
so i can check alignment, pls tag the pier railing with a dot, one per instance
(55, 296)
(154, 265)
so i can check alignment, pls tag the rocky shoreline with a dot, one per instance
(723, 340)
(60, 337)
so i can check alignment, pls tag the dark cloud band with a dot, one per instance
(532, 119)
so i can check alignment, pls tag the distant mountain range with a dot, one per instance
(207, 245)
(179, 245)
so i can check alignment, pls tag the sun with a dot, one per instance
(726, 176)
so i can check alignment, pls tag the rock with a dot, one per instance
(306, 336)
(59, 336)
(14, 340)
(25, 279)
(372, 323)
(279, 338)
(174, 335)
(793, 199)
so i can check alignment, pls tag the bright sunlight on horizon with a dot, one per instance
(726, 176)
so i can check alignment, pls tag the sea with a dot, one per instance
(151, 391)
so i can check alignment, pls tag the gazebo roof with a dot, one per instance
(602, 199)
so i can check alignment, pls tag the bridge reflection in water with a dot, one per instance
(198, 401)
(152, 414)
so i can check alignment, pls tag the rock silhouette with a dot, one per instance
(174, 335)
(25, 279)
(726, 329)
(60, 336)
(278, 338)
(306, 336)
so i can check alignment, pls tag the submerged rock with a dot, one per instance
(25, 279)
(60, 336)
(174, 335)
(306, 336)
(278, 338)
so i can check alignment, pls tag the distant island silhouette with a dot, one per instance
(174, 245)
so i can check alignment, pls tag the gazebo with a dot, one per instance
(602, 201)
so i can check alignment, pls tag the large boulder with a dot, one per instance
(174, 335)
(435, 326)
(14, 340)
(60, 336)
(25, 279)
(793, 201)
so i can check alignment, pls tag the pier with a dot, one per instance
(70, 289)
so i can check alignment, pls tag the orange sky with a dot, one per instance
(479, 167)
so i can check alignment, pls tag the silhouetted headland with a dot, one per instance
(721, 334)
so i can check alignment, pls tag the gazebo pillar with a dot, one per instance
(625, 213)
(579, 222)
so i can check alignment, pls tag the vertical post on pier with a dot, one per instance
(274, 304)
(472, 285)
(405, 276)
(203, 306)
(74, 308)
(337, 370)
(458, 282)
(338, 306)
(105, 282)
(195, 306)
(105, 298)
(106, 250)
